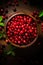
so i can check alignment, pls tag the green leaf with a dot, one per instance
(1, 24)
(9, 52)
(41, 14)
(13, 54)
(1, 35)
(1, 18)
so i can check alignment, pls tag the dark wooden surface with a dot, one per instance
(30, 55)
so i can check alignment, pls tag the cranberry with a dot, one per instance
(19, 42)
(42, 27)
(3, 16)
(10, 38)
(30, 30)
(35, 35)
(0, 28)
(26, 34)
(25, 1)
(14, 9)
(21, 32)
(30, 20)
(24, 41)
(24, 18)
(18, 30)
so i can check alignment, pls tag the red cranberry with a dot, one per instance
(42, 27)
(30, 20)
(30, 30)
(24, 41)
(19, 42)
(0, 28)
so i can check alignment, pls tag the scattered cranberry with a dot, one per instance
(9, 3)
(16, 2)
(14, 9)
(6, 11)
(35, 12)
(0, 28)
(42, 26)
(36, 15)
(3, 16)
(25, 1)
(13, 4)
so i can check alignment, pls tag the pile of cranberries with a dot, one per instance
(21, 29)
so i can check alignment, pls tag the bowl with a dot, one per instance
(22, 18)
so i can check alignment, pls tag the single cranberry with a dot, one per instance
(0, 28)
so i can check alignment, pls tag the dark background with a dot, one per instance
(31, 55)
